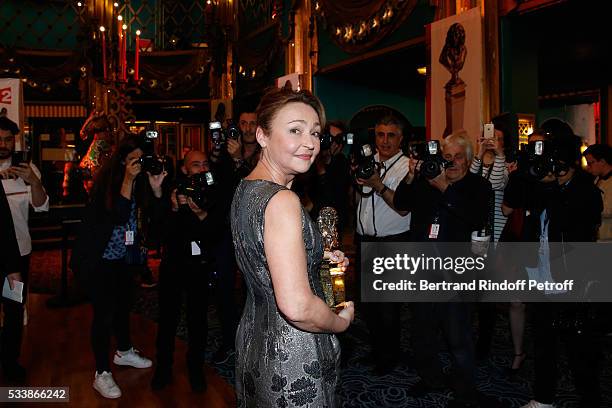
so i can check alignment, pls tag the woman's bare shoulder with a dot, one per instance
(284, 202)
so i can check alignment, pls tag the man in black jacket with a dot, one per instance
(22, 191)
(10, 267)
(332, 178)
(572, 214)
(189, 232)
(447, 208)
(231, 163)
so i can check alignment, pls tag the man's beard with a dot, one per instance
(249, 137)
(5, 154)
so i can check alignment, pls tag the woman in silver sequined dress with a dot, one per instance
(286, 353)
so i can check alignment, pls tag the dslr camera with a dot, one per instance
(541, 157)
(150, 161)
(343, 138)
(199, 187)
(430, 155)
(366, 164)
(219, 135)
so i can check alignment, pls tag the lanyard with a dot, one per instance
(387, 169)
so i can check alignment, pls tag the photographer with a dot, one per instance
(523, 201)
(192, 225)
(599, 164)
(331, 181)
(490, 163)
(22, 190)
(379, 220)
(571, 213)
(231, 161)
(244, 151)
(446, 207)
(110, 245)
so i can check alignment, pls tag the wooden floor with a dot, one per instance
(56, 351)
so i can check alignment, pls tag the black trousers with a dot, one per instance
(188, 277)
(454, 320)
(225, 296)
(584, 355)
(12, 330)
(382, 319)
(487, 312)
(111, 291)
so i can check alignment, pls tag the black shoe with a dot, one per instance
(197, 380)
(14, 373)
(222, 355)
(519, 359)
(161, 378)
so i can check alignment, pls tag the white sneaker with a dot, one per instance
(106, 385)
(536, 404)
(131, 358)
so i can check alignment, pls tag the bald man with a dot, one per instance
(184, 272)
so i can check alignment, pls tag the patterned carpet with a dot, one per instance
(359, 388)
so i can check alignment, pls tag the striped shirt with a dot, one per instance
(497, 174)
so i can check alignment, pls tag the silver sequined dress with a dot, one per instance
(277, 364)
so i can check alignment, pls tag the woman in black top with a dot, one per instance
(123, 202)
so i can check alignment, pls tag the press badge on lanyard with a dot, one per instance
(434, 229)
(129, 237)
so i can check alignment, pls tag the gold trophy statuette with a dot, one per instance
(332, 277)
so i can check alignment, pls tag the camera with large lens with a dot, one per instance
(233, 131)
(199, 187)
(152, 164)
(541, 157)
(430, 155)
(366, 164)
(149, 161)
(344, 138)
(535, 159)
(325, 139)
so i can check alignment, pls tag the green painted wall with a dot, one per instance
(519, 67)
(342, 100)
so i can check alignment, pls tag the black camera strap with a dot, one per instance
(382, 177)
(390, 166)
